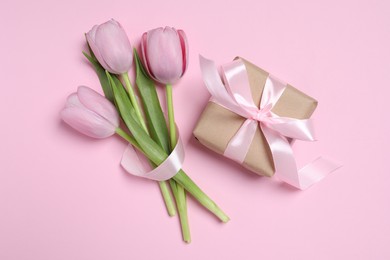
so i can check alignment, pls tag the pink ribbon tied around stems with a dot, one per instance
(134, 163)
(235, 95)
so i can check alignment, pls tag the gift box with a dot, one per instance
(217, 125)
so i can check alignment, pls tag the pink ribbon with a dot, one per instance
(134, 163)
(235, 95)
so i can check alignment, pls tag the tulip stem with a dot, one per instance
(164, 188)
(162, 184)
(133, 100)
(171, 116)
(127, 137)
(178, 190)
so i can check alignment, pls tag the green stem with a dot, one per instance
(182, 178)
(171, 116)
(167, 198)
(183, 214)
(162, 184)
(179, 192)
(133, 100)
(127, 137)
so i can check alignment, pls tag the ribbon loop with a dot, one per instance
(234, 93)
(133, 163)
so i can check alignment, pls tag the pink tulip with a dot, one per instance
(90, 113)
(111, 47)
(165, 54)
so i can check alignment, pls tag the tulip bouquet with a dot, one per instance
(164, 61)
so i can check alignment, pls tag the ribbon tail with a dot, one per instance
(316, 171)
(282, 154)
(285, 165)
(132, 163)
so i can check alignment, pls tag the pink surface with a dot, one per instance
(64, 195)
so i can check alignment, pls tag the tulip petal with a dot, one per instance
(92, 32)
(91, 36)
(114, 47)
(73, 101)
(144, 44)
(164, 55)
(87, 122)
(184, 48)
(98, 104)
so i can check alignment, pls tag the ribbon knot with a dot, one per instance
(234, 94)
(262, 115)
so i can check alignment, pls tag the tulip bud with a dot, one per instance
(165, 54)
(111, 47)
(90, 113)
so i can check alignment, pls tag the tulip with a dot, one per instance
(111, 47)
(90, 113)
(165, 54)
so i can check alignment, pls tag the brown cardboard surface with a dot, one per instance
(218, 125)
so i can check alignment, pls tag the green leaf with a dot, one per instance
(152, 150)
(151, 104)
(100, 71)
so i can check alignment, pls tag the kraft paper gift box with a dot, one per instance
(217, 125)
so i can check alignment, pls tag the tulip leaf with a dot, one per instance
(153, 151)
(100, 71)
(151, 104)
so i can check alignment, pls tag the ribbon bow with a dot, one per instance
(235, 95)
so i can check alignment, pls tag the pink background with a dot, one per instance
(64, 196)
